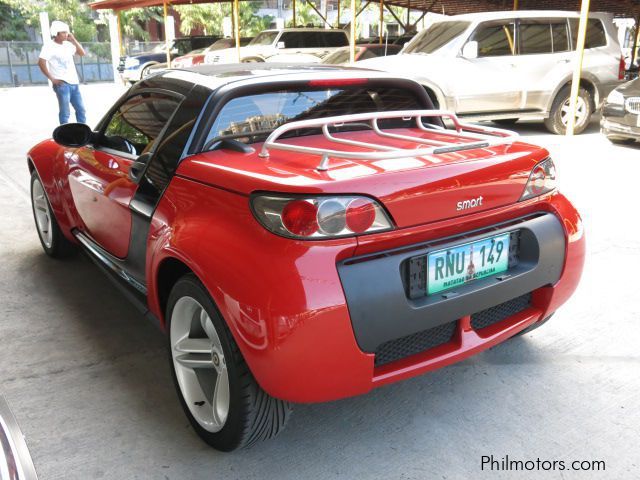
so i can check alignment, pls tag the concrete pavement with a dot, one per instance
(88, 378)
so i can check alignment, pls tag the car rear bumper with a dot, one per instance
(290, 304)
(620, 127)
(387, 337)
(386, 319)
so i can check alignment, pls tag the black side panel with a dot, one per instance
(380, 305)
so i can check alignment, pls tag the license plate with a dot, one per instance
(455, 266)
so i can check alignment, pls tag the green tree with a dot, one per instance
(134, 22)
(12, 23)
(305, 16)
(73, 12)
(209, 18)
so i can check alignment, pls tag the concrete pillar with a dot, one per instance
(44, 27)
(116, 48)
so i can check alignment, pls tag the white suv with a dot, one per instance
(504, 66)
(313, 41)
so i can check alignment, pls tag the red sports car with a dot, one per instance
(304, 235)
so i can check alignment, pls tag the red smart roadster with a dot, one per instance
(307, 234)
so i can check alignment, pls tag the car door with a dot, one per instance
(489, 82)
(99, 173)
(544, 59)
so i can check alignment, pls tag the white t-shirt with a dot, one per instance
(59, 57)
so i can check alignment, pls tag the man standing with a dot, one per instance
(56, 62)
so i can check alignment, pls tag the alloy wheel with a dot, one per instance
(200, 365)
(42, 213)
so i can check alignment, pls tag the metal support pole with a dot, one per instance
(408, 14)
(636, 39)
(26, 52)
(575, 82)
(381, 26)
(338, 18)
(352, 39)
(515, 4)
(166, 36)
(315, 9)
(294, 14)
(120, 40)
(236, 26)
(10, 64)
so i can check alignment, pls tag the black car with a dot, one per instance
(134, 67)
(621, 113)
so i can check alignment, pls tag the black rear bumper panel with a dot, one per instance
(379, 300)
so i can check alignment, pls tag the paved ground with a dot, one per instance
(88, 378)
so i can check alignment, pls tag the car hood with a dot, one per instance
(630, 89)
(414, 190)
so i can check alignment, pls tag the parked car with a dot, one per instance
(308, 41)
(196, 57)
(621, 113)
(135, 67)
(506, 66)
(305, 235)
(363, 51)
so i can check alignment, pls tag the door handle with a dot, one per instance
(564, 60)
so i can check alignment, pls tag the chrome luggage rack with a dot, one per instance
(482, 137)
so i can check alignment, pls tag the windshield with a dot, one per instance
(436, 36)
(251, 118)
(264, 38)
(338, 57)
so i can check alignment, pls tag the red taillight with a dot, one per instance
(622, 69)
(542, 179)
(300, 218)
(338, 82)
(319, 217)
(361, 214)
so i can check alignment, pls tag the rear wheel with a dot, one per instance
(53, 241)
(224, 403)
(561, 111)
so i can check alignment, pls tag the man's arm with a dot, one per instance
(79, 50)
(42, 63)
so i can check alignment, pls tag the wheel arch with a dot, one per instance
(588, 82)
(169, 271)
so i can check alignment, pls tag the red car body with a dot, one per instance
(291, 304)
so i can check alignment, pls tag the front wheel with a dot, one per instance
(53, 241)
(224, 403)
(561, 111)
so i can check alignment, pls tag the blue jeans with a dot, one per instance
(69, 93)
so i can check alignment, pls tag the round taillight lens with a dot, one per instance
(299, 217)
(538, 178)
(331, 217)
(361, 213)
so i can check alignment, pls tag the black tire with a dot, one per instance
(555, 124)
(57, 245)
(506, 121)
(621, 140)
(253, 415)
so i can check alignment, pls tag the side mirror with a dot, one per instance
(470, 50)
(136, 170)
(73, 135)
(280, 45)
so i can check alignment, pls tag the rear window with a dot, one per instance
(334, 39)
(596, 36)
(251, 118)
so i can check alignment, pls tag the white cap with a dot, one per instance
(57, 26)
